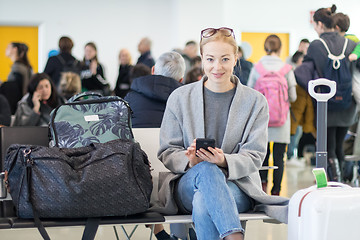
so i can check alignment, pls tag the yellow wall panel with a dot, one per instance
(257, 40)
(25, 34)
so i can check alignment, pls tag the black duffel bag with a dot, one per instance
(102, 179)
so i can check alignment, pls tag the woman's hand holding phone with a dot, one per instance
(207, 151)
(191, 155)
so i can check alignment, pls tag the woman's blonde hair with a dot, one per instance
(124, 50)
(70, 84)
(219, 36)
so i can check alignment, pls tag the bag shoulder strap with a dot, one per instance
(61, 59)
(91, 227)
(260, 68)
(326, 46)
(285, 69)
(336, 59)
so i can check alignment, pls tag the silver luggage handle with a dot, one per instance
(322, 97)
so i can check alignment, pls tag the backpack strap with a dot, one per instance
(260, 68)
(336, 59)
(61, 59)
(262, 71)
(285, 69)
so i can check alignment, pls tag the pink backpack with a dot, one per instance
(273, 85)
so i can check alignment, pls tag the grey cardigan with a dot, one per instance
(244, 144)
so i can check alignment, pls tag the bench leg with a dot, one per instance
(116, 233)
(152, 231)
(243, 224)
(128, 237)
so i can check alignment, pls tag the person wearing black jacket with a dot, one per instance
(123, 81)
(144, 48)
(62, 62)
(148, 94)
(19, 77)
(243, 67)
(92, 73)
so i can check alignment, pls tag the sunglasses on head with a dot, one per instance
(208, 32)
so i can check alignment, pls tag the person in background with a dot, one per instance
(70, 84)
(279, 135)
(148, 94)
(338, 121)
(21, 69)
(297, 59)
(189, 53)
(19, 77)
(92, 72)
(342, 24)
(243, 67)
(303, 47)
(195, 74)
(139, 70)
(122, 86)
(217, 107)
(35, 107)
(63, 61)
(144, 48)
(197, 62)
(297, 111)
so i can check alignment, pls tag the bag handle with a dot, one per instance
(322, 97)
(84, 94)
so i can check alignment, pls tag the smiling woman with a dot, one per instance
(217, 107)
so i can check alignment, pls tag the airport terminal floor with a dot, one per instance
(295, 178)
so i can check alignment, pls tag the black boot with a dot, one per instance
(162, 235)
(333, 170)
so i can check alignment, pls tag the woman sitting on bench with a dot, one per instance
(35, 107)
(217, 184)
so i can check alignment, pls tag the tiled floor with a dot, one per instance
(294, 178)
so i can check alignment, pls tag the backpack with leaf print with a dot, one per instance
(96, 119)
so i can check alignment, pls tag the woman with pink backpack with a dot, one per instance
(276, 80)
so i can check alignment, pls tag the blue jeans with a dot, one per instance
(213, 201)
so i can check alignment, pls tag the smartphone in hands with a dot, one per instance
(205, 143)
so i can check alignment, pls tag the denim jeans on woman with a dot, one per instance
(213, 201)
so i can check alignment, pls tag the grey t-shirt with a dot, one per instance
(217, 106)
